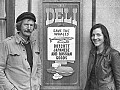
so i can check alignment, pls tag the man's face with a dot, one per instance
(27, 27)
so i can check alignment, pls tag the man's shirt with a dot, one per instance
(14, 68)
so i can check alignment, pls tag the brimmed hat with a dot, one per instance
(26, 15)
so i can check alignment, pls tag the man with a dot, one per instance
(20, 65)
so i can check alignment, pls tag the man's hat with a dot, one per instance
(26, 15)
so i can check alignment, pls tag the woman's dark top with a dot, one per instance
(103, 72)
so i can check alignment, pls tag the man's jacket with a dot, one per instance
(14, 68)
(107, 70)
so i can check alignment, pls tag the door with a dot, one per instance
(61, 46)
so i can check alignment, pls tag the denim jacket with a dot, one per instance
(14, 68)
(107, 70)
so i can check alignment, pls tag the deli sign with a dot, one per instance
(61, 43)
(61, 15)
(61, 39)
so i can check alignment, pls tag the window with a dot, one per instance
(7, 9)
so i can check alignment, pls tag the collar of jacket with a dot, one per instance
(20, 40)
(105, 52)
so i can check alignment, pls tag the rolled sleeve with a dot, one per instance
(4, 82)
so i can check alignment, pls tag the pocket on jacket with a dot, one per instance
(37, 52)
(15, 59)
(37, 55)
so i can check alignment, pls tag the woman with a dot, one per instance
(103, 70)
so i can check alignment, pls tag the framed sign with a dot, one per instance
(61, 43)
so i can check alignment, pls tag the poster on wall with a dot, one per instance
(61, 27)
(61, 43)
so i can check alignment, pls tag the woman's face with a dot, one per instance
(97, 37)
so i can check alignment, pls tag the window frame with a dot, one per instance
(10, 17)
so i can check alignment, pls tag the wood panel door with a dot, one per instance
(62, 45)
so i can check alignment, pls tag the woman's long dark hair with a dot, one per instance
(104, 32)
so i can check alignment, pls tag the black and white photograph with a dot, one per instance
(59, 44)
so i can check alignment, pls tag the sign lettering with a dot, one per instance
(60, 15)
(61, 43)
